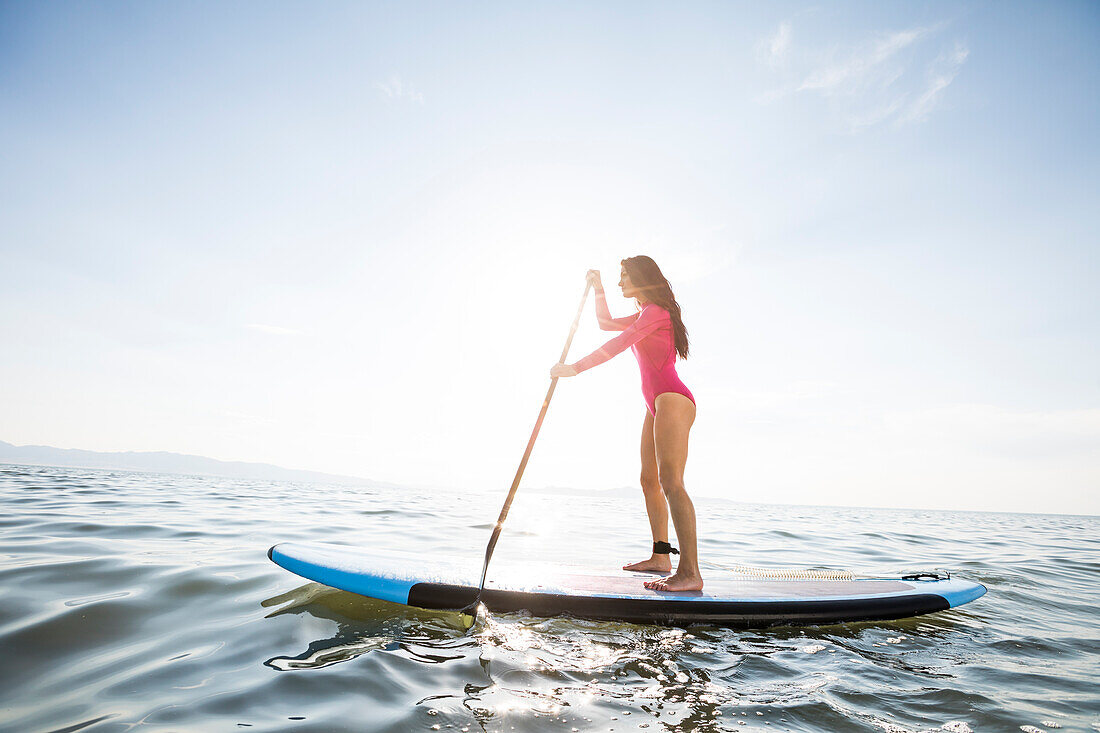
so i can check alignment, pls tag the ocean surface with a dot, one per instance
(146, 601)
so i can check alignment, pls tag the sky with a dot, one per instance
(352, 237)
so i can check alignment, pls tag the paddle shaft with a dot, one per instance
(527, 453)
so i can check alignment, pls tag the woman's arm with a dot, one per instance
(645, 323)
(603, 314)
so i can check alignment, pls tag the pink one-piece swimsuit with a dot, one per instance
(649, 335)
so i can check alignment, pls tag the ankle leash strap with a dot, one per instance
(664, 548)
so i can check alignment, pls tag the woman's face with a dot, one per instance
(629, 291)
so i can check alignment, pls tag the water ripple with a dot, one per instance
(131, 599)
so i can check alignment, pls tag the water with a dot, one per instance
(147, 601)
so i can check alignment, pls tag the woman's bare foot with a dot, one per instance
(655, 563)
(677, 582)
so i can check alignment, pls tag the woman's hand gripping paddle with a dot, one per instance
(469, 612)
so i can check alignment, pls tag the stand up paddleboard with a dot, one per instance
(745, 597)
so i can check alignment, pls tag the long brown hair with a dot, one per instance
(647, 277)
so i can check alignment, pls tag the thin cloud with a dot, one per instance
(874, 116)
(942, 72)
(863, 65)
(870, 83)
(395, 88)
(774, 50)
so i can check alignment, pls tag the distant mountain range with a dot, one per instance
(188, 465)
(161, 462)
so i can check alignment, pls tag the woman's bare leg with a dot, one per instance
(675, 415)
(655, 505)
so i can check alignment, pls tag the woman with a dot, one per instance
(655, 334)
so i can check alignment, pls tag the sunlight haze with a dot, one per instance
(351, 238)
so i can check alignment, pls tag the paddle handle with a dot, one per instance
(527, 453)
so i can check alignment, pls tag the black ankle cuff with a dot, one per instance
(663, 548)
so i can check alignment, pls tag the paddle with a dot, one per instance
(469, 611)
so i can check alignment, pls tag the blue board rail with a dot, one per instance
(731, 601)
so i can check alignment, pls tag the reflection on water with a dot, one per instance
(133, 600)
(363, 625)
(576, 674)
